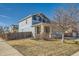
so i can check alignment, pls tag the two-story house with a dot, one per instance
(36, 23)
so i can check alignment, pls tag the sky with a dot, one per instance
(12, 13)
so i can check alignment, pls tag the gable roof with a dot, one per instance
(25, 18)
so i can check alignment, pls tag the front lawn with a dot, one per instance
(44, 48)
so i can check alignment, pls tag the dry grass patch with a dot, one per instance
(41, 47)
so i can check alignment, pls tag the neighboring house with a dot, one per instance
(73, 31)
(37, 24)
(13, 28)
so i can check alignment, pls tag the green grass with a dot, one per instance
(44, 48)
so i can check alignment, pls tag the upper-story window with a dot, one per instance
(39, 18)
(43, 20)
(34, 17)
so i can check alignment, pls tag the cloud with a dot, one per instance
(4, 16)
(3, 19)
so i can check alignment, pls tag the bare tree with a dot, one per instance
(1, 30)
(6, 29)
(64, 20)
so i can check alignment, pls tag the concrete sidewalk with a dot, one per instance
(7, 50)
(76, 54)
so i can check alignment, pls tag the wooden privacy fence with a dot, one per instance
(18, 35)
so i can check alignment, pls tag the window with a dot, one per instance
(34, 17)
(43, 20)
(38, 18)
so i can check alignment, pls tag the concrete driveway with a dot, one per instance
(7, 50)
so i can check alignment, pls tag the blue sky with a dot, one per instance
(11, 13)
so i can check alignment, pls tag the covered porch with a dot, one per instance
(43, 30)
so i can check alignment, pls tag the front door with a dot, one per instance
(46, 29)
(38, 30)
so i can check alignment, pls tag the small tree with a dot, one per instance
(6, 29)
(64, 21)
(1, 31)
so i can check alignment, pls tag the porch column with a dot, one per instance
(42, 29)
(35, 32)
(50, 35)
